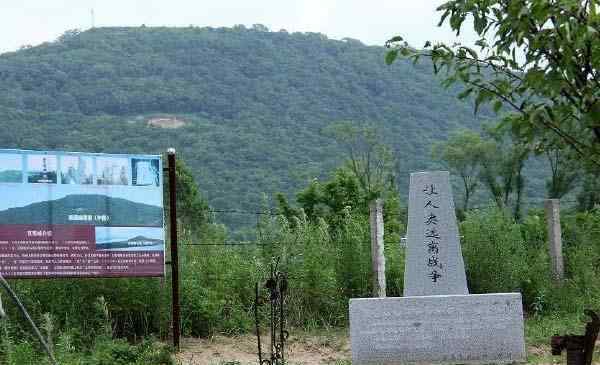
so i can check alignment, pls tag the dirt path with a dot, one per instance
(326, 348)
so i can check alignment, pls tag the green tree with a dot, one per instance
(537, 62)
(492, 161)
(370, 161)
(462, 154)
(331, 198)
(502, 163)
(564, 172)
(589, 196)
(192, 208)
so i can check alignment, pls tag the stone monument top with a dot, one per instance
(434, 262)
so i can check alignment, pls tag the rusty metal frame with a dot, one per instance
(580, 349)
(277, 287)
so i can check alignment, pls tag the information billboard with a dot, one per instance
(67, 214)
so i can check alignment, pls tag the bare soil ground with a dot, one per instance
(330, 348)
(165, 122)
(303, 349)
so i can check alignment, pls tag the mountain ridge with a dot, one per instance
(254, 103)
(121, 212)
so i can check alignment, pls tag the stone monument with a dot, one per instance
(434, 262)
(437, 320)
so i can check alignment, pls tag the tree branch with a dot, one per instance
(569, 139)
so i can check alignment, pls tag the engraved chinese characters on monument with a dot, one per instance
(434, 262)
(437, 321)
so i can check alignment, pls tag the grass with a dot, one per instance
(538, 331)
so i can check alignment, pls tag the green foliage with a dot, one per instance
(104, 351)
(255, 104)
(313, 264)
(239, 104)
(565, 173)
(333, 197)
(342, 205)
(538, 59)
(589, 196)
(493, 161)
(22, 353)
(192, 208)
(462, 154)
(217, 288)
(502, 255)
(326, 263)
(582, 262)
(539, 329)
(494, 252)
(119, 352)
(502, 171)
(370, 161)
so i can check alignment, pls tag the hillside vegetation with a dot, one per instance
(244, 107)
(252, 111)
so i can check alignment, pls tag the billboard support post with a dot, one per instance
(174, 255)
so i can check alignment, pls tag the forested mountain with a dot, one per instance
(244, 107)
(121, 212)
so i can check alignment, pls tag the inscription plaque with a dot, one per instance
(475, 328)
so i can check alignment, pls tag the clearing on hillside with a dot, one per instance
(165, 122)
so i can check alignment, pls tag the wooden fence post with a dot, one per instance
(554, 239)
(377, 248)
(174, 254)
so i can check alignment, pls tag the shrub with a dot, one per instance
(494, 252)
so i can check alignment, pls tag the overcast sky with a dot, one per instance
(31, 22)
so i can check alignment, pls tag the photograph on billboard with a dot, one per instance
(145, 172)
(112, 171)
(11, 168)
(41, 169)
(65, 214)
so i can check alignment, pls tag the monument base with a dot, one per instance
(477, 328)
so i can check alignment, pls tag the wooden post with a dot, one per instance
(554, 239)
(2, 313)
(174, 255)
(377, 248)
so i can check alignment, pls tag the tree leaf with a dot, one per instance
(497, 106)
(465, 93)
(395, 39)
(391, 56)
